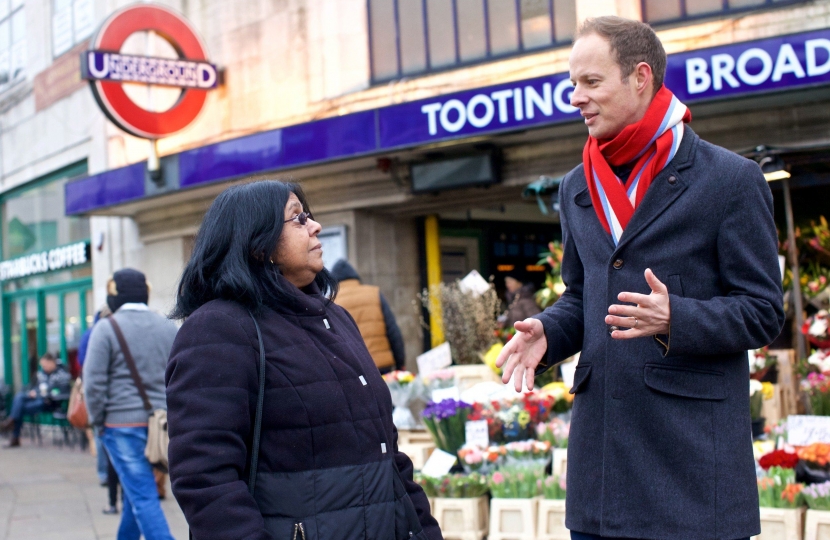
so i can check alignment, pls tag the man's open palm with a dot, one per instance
(523, 353)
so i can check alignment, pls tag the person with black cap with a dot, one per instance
(114, 403)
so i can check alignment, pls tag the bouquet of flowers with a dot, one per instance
(554, 487)
(819, 360)
(402, 386)
(481, 460)
(760, 361)
(563, 400)
(454, 486)
(817, 388)
(554, 432)
(816, 329)
(528, 453)
(778, 458)
(427, 483)
(511, 483)
(817, 496)
(554, 286)
(779, 489)
(445, 422)
(487, 411)
(515, 419)
(816, 454)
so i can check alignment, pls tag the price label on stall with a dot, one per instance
(438, 464)
(476, 433)
(434, 359)
(803, 430)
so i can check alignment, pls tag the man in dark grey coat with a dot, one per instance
(670, 263)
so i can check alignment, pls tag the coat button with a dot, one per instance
(672, 180)
(618, 264)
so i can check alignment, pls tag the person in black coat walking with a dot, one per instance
(329, 466)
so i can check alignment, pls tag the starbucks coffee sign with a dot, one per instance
(59, 258)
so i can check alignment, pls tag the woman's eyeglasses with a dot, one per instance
(301, 218)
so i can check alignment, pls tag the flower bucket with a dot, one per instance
(817, 525)
(462, 519)
(513, 519)
(551, 524)
(781, 524)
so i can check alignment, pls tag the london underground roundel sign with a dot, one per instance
(106, 69)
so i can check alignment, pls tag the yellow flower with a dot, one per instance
(524, 419)
(491, 355)
(768, 390)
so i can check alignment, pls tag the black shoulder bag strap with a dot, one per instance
(259, 400)
(128, 357)
(258, 418)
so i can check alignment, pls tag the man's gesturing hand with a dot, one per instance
(523, 353)
(651, 316)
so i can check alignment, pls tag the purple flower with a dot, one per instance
(445, 409)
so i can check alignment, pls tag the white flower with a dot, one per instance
(755, 386)
(820, 359)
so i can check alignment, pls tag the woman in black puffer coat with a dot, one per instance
(329, 467)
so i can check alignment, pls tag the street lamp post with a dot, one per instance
(774, 170)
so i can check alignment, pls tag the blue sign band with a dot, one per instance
(776, 64)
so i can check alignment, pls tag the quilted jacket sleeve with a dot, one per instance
(416, 494)
(211, 388)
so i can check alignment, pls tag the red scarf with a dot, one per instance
(650, 143)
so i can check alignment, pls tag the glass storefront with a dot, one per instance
(47, 305)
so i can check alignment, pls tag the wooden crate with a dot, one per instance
(559, 461)
(513, 519)
(410, 436)
(551, 524)
(469, 375)
(781, 524)
(787, 381)
(772, 409)
(462, 519)
(817, 526)
(418, 452)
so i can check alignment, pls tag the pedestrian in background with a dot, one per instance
(375, 320)
(100, 453)
(50, 387)
(115, 405)
(328, 462)
(671, 268)
(521, 301)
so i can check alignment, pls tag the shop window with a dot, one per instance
(668, 11)
(72, 22)
(12, 42)
(33, 219)
(410, 37)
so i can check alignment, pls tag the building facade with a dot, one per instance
(414, 127)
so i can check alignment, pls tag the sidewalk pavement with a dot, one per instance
(51, 493)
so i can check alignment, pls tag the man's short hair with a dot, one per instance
(49, 356)
(632, 42)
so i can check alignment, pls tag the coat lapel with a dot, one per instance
(662, 193)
